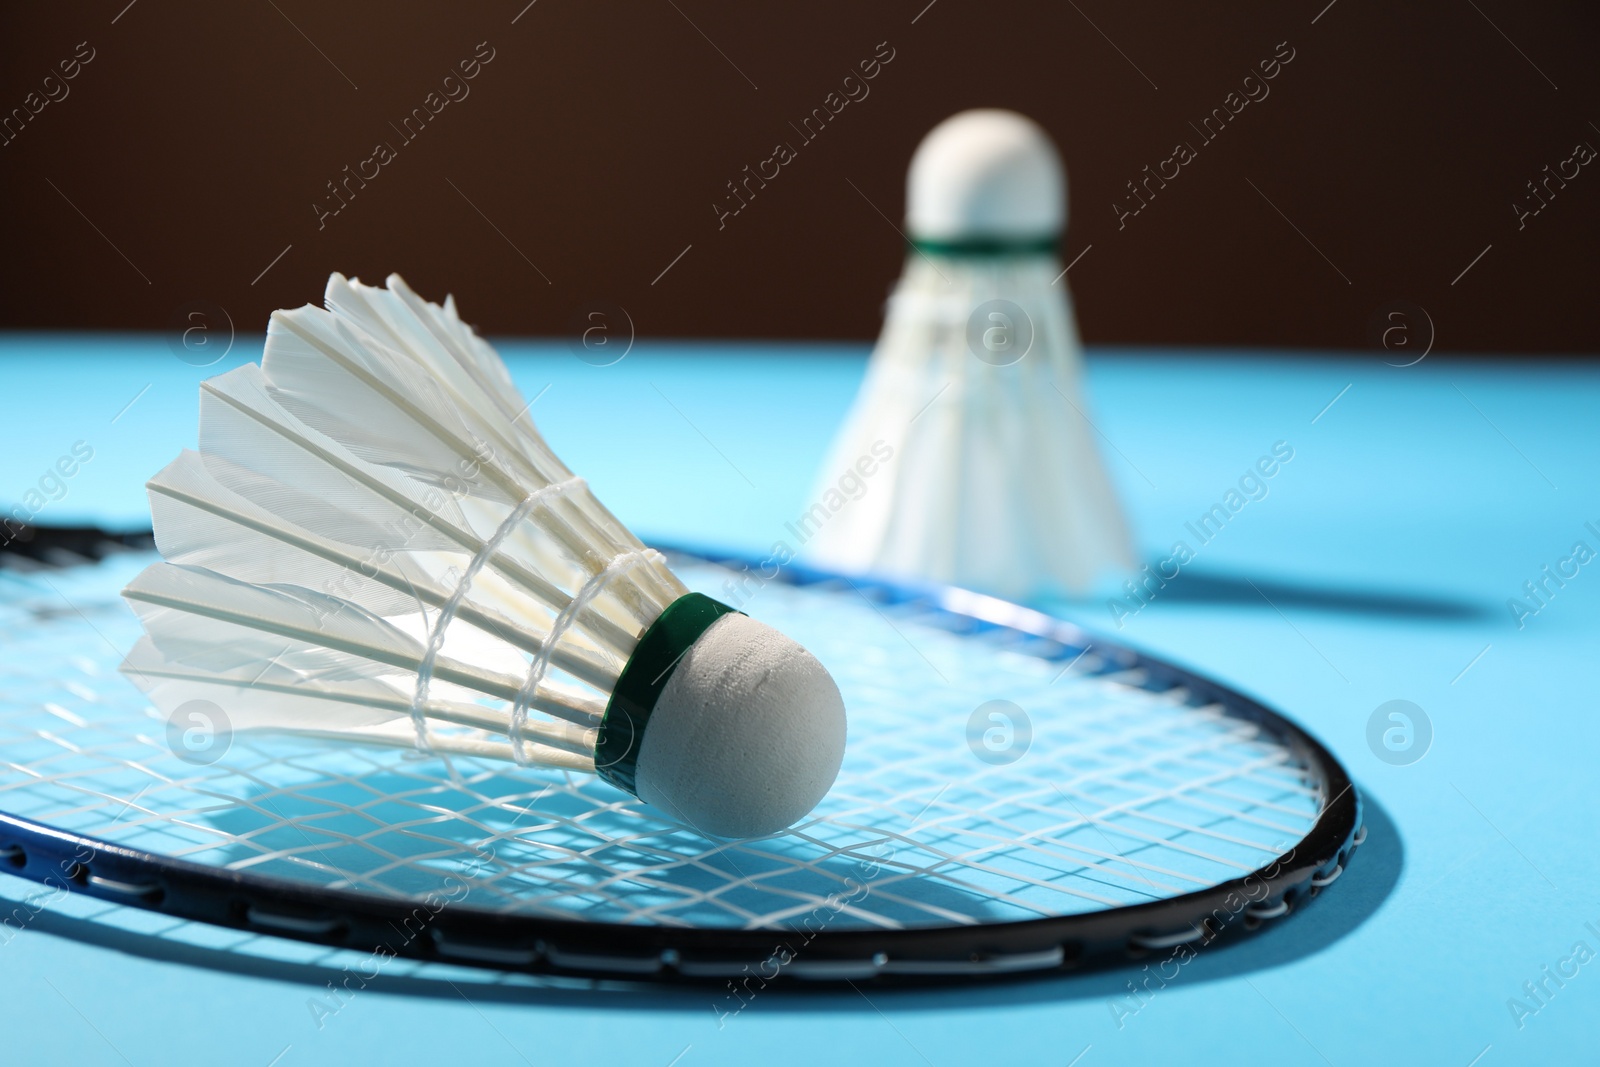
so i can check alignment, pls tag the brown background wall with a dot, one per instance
(190, 150)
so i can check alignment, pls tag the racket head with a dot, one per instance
(1153, 809)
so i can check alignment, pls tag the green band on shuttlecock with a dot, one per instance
(616, 750)
(988, 247)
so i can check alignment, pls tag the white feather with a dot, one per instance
(995, 480)
(373, 536)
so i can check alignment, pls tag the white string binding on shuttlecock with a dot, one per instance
(541, 662)
(447, 612)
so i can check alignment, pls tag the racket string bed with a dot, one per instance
(1008, 838)
(1133, 791)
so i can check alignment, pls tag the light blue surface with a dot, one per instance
(1442, 487)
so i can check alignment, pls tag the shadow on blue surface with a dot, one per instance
(1205, 588)
(1209, 589)
(1128, 991)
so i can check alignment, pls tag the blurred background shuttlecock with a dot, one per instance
(976, 386)
(373, 543)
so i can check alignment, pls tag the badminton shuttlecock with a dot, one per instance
(975, 388)
(374, 544)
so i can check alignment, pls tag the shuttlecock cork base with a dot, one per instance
(723, 722)
(373, 544)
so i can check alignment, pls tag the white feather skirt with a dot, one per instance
(992, 480)
(374, 543)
